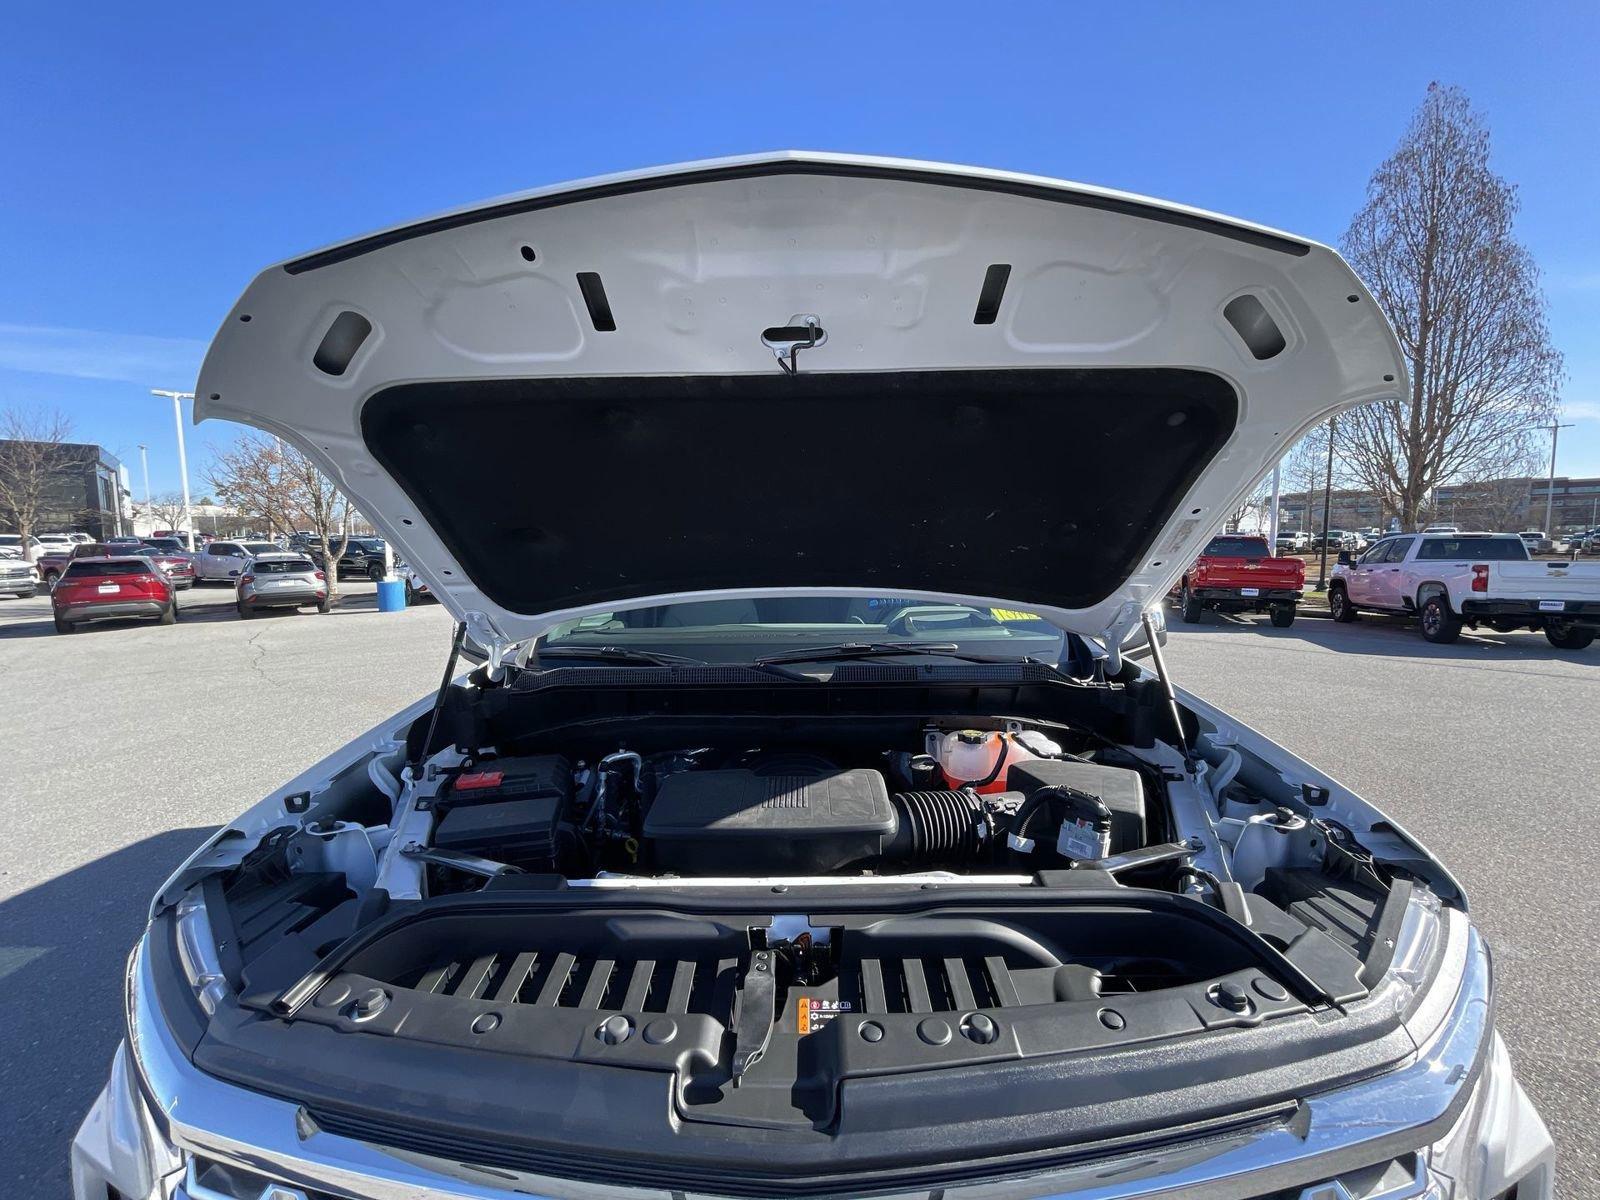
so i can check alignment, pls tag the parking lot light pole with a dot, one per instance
(1550, 488)
(183, 459)
(1272, 516)
(1327, 502)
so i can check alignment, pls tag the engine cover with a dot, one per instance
(747, 823)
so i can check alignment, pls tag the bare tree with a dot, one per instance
(1497, 504)
(167, 510)
(31, 466)
(325, 510)
(1305, 470)
(1434, 242)
(266, 477)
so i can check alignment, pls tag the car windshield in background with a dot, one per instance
(365, 546)
(1480, 549)
(164, 544)
(282, 567)
(88, 566)
(260, 548)
(1236, 547)
(730, 631)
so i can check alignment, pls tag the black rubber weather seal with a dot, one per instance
(1011, 187)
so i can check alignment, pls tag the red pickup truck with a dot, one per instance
(1236, 573)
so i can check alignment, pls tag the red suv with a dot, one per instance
(94, 588)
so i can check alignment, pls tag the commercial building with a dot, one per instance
(82, 486)
(1502, 504)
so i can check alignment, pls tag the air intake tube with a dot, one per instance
(937, 827)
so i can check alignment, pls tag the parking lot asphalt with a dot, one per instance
(127, 743)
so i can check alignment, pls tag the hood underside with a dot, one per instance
(583, 399)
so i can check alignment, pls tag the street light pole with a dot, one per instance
(183, 458)
(144, 465)
(1272, 519)
(1550, 488)
(1327, 503)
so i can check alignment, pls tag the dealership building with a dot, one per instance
(1507, 504)
(84, 488)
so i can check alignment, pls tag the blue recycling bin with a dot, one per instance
(391, 595)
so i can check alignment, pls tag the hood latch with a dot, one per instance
(803, 331)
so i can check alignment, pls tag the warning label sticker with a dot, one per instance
(816, 1011)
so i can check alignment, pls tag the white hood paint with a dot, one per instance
(698, 259)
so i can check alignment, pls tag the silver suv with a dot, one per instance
(281, 581)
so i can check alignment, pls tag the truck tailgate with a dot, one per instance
(1556, 580)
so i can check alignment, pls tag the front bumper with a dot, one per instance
(1434, 1127)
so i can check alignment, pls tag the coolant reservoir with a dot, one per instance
(980, 757)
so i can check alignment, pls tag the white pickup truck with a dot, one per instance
(1455, 579)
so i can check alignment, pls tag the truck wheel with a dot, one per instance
(1564, 635)
(51, 575)
(1282, 615)
(1439, 624)
(1189, 607)
(65, 626)
(374, 572)
(1339, 605)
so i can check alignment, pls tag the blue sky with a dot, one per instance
(153, 159)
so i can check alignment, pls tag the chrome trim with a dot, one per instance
(1401, 1111)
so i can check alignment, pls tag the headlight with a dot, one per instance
(197, 950)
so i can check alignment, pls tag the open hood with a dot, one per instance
(803, 374)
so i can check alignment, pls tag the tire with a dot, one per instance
(411, 594)
(324, 606)
(1567, 636)
(169, 614)
(51, 576)
(65, 626)
(1189, 607)
(1340, 607)
(375, 572)
(245, 611)
(1282, 616)
(1439, 625)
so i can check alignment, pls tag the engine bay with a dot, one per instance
(785, 811)
(777, 912)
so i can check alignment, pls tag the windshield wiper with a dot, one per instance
(617, 654)
(849, 651)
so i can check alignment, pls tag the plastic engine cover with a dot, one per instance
(714, 822)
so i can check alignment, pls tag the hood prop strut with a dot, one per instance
(1160, 662)
(438, 700)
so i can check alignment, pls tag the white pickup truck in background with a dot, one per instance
(1454, 579)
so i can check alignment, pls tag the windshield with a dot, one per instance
(741, 631)
(260, 548)
(282, 566)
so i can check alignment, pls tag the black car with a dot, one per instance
(362, 557)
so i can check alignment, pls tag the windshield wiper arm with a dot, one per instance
(857, 650)
(850, 650)
(617, 654)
